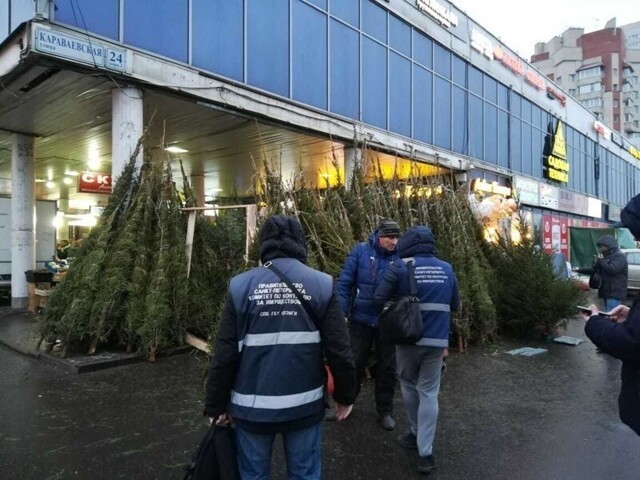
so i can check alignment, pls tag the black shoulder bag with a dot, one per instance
(401, 319)
(328, 377)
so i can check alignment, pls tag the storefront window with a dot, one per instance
(442, 107)
(309, 55)
(399, 35)
(422, 104)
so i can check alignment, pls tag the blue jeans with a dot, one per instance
(610, 304)
(419, 370)
(301, 449)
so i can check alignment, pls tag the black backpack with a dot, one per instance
(215, 457)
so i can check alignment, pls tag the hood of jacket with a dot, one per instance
(609, 242)
(417, 240)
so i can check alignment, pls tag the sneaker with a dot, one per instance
(330, 415)
(388, 423)
(426, 465)
(408, 440)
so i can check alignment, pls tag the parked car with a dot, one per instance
(633, 259)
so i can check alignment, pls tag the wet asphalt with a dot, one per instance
(552, 416)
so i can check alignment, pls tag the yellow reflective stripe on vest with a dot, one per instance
(275, 402)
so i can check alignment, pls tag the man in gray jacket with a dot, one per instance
(613, 269)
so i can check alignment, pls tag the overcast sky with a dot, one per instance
(521, 24)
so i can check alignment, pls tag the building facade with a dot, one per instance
(306, 82)
(601, 70)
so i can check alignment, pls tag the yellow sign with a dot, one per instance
(559, 145)
(557, 167)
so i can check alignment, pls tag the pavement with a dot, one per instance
(550, 416)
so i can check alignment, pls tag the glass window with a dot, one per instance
(399, 35)
(503, 96)
(459, 120)
(347, 11)
(490, 133)
(422, 49)
(476, 136)
(268, 45)
(527, 159)
(218, 37)
(146, 25)
(374, 83)
(442, 61)
(442, 111)
(537, 145)
(503, 139)
(475, 80)
(459, 71)
(399, 94)
(516, 144)
(309, 55)
(97, 16)
(374, 20)
(422, 104)
(345, 70)
(516, 104)
(319, 3)
(526, 110)
(490, 89)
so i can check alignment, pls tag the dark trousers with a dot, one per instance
(362, 339)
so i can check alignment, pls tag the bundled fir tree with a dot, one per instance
(129, 285)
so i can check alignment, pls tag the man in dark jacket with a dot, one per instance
(362, 271)
(619, 335)
(613, 269)
(419, 365)
(267, 370)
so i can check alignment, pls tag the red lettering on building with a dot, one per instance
(557, 95)
(91, 182)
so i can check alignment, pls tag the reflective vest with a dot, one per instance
(281, 374)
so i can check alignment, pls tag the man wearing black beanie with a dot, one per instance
(362, 272)
(618, 334)
(267, 371)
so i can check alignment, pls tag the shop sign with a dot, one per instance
(553, 93)
(549, 196)
(634, 152)
(617, 139)
(481, 43)
(53, 42)
(92, 182)
(534, 79)
(556, 165)
(614, 212)
(601, 129)
(438, 11)
(527, 191)
(512, 62)
(481, 185)
(595, 208)
(516, 65)
(555, 231)
(581, 204)
(566, 201)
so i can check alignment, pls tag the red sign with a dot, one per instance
(92, 182)
(555, 231)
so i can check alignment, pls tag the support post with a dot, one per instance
(23, 205)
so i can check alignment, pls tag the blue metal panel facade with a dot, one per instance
(355, 59)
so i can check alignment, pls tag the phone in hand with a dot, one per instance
(585, 310)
